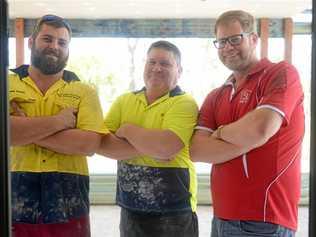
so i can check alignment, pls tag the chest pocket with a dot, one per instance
(66, 99)
(24, 101)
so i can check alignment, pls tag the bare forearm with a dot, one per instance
(116, 148)
(253, 130)
(72, 142)
(211, 150)
(248, 138)
(27, 130)
(160, 144)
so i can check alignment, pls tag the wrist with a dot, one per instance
(219, 132)
(58, 122)
(126, 131)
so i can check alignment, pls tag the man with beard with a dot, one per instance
(251, 130)
(55, 122)
(156, 180)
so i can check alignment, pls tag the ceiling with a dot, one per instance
(106, 9)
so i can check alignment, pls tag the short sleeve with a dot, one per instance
(113, 117)
(283, 92)
(90, 116)
(181, 118)
(206, 119)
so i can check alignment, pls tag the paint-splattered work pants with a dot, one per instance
(183, 224)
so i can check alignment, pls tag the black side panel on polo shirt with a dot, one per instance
(22, 71)
(153, 189)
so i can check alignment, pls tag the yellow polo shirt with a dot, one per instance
(66, 92)
(175, 111)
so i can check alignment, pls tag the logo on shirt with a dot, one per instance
(244, 96)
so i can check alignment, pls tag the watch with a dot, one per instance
(219, 132)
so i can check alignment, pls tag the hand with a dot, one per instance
(67, 118)
(218, 133)
(214, 134)
(17, 111)
(123, 130)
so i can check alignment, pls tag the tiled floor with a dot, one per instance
(105, 221)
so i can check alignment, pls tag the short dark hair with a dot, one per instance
(166, 45)
(246, 20)
(51, 20)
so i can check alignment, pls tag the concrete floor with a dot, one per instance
(105, 221)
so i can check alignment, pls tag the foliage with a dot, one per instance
(91, 69)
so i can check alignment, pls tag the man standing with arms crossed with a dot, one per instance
(156, 180)
(55, 122)
(251, 130)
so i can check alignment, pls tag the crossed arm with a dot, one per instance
(249, 132)
(132, 140)
(56, 133)
(72, 142)
(26, 130)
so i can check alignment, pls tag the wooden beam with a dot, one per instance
(288, 37)
(264, 37)
(19, 44)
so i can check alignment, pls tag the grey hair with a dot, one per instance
(166, 45)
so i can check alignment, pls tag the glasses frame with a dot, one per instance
(229, 40)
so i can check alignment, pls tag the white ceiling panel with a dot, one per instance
(107, 9)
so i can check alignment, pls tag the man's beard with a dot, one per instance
(43, 60)
(240, 63)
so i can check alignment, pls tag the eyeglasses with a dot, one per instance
(232, 40)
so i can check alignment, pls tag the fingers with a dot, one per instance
(68, 117)
(69, 110)
(14, 107)
(73, 110)
(17, 111)
(119, 133)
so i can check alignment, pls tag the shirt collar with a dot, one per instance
(174, 92)
(260, 66)
(22, 72)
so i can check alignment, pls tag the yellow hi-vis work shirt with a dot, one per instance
(144, 183)
(66, 92)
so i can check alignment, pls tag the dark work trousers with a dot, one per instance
(182, 224)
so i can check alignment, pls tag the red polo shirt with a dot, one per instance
(264, 184)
